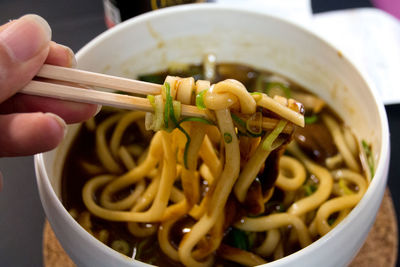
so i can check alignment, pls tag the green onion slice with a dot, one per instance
(197, 120)
(256, 93)
(240, 239)
(151, 99)
(254, 123)
(269, 140)
(240, 124)
(369, 156)
(177, 109)
(286, 90)
(331, 221)
(309, 189)
(121, 246)
(227, 138)
(168, 102)
(172, 113)
(345, 188)
(311, 119)
(188, 139)
(158, 113)
(200, 100)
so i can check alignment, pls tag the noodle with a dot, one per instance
(126, 120)
(340, 142)
(103, 151)
(340, 203)
(296, 170)
(275, 221)
(310, 203)
(269, 244)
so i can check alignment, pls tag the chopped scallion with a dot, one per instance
(140, 248)
(269, 140)
(158, 113)
(286, 90)
(311, 119)
(196, 119)
(309, 189)
(240, 239)
(242, 126)
(227, 138)
(200, 100)
(331, 221)
(121, 246)
(369, 156)
(345, 188)
(172, 113)
(256, 95)
(238, 121)
(168, 101)
(188, 140)
(254, 123)
(152, 100)
(177, 109)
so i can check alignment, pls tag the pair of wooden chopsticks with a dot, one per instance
(77, 78)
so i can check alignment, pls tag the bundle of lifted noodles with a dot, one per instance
(204, 174)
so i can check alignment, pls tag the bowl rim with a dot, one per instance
(384, 153)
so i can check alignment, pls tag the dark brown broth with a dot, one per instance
(83, 148)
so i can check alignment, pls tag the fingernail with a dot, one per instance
(25, 37)
(71, 56)
(98, 110)
(60, 121)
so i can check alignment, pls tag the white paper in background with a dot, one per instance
(297, 11)
(371, 39)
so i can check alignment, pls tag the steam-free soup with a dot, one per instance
(227, 191)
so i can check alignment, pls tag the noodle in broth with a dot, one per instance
(200, 194)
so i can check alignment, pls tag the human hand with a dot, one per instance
(32, 124)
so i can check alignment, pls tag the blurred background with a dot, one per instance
(74, 23)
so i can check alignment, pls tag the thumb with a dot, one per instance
(24, 45)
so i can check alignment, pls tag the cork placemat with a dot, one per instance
(379, 250)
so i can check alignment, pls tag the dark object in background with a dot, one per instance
(116, 11)
(330, 5)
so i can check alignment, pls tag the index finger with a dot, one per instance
(71, 112)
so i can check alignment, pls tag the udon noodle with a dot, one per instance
(244, 187)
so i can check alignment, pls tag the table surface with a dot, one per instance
(74, 23)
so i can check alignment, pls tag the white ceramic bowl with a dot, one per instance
(184, 34)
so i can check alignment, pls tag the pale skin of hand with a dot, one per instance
(31, 124)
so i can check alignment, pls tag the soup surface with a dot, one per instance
(304, 188)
